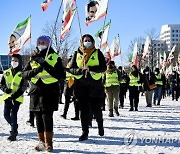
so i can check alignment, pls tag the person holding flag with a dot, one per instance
(44, 71)
(87, 66)
(13, 86)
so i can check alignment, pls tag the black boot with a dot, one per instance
(84, 136)
(111, 113)
(12, 136)
(116, 111)
(101, 128)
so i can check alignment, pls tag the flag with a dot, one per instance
(107, 53)
(20, 36)
(102, 34)
(146, 47)
(134, 60)
(68, 15)
(115, 48)
(45, 4)
(171, 54)
(95, 9)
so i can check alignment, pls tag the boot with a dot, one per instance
(40, 146)
(48, 141)
(84, 136)
(12, 136)
(101, 128)
(111, 113)
(116, 111)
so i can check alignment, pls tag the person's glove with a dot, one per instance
(8, 91)
(39, 60)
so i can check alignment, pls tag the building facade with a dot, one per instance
(170, 34)
(5, 62)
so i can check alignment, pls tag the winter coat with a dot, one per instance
(44, 97)
(23, 84)
(86, 85)
(174, 79)
(148, 80)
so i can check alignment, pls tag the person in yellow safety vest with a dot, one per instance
(158, 91)
(135, 81)
(111, 79)
(44, 73)
(13, 86)
(69, 95)
(123, 86)
(87, 66)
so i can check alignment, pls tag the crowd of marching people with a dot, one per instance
(89, 81)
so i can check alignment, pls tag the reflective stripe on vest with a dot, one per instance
(159, 77)
(44, 75)
(93, 61)
(134, 80)
(12, 83)
(111, 79)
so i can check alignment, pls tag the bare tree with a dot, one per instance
(63, 47)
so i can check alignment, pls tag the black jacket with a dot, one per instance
(87, 86)
(44, 96)
(23, 84)
(148, 79)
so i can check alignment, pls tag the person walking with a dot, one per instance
(135, 81)
(111, 79)
(174, 79)
(158, 91)
(87, 66)
(69, 95)
(44, 74)
(123, 87)
(13, 86)
(148, 79)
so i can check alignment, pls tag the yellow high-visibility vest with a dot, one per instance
(159, 77)
(44, 75)
(93, 61)
(111, 79)
(12, 83)
(134, 80)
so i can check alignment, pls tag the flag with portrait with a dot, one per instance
(95, 9)
(20, 36)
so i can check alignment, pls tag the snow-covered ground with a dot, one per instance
(150, 130)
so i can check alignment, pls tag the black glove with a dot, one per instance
(39, 60)
(8, 91)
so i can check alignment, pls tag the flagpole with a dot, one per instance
(79, 20)
(30, 35)
(104, 24)
(54, 28)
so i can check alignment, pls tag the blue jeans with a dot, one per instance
(10, 113)
(158, 94)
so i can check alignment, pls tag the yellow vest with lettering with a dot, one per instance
(111, 79)
(134, 80)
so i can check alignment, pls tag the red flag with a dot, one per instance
(45, 4)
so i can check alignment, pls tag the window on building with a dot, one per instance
(158, 45)
(172, 39)
(173, 31)
(177, 31)
(177, 40)
(176, 35)
(172, 35)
